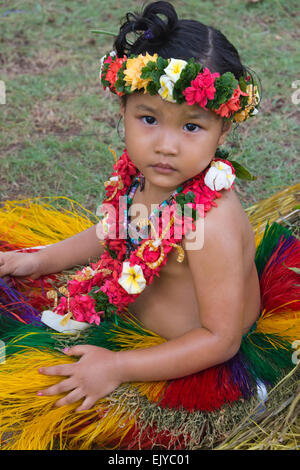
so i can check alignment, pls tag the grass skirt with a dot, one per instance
(192, 412)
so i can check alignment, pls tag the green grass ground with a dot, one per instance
(57, 122)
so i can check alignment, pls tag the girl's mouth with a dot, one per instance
(163, 168)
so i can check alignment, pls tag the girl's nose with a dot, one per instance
(166, 143)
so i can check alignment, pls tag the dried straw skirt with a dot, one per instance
(188, 413)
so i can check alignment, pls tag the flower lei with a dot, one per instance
(179, 81)
(117, 279)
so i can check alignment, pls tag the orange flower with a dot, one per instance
(111, 74)
(232, 105)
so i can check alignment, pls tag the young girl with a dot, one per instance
(169, 308)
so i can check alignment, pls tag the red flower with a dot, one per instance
(62, 307)
(113, 69)
(83, 308)
(232, 105)
(201, 89)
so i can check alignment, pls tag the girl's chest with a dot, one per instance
(169, 305)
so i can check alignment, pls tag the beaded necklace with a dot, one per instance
(133, 242)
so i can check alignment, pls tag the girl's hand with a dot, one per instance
(19, 264)
(95, 375)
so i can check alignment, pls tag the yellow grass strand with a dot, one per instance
(36, 222)
(274, 208)
(286, 325)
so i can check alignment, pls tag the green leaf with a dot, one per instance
(222, 153)
(101, 31)
(111, 252)
(241, 172)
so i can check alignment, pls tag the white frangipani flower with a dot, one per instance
(219, 176)
(166, 90)
(174, 69)
(132, 278)
(57, 323)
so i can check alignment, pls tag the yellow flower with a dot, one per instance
(132, 73)
(253, 100)
(132, 278)
(253, 95)
(242, 115)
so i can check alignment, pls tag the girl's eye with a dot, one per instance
(149, 119)
(192, 127)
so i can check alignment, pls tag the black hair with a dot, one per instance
(180, 39)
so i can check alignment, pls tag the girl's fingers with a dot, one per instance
(72, 397)
(78, 350)
(63, 386)
(86, 404)
(62, 369)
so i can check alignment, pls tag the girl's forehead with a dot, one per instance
(154, 103)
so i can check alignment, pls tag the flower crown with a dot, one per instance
(179, 81)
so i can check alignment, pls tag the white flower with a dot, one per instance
(132, 278)
(219, 176)
(55, 321)
(174, 69)
(166, 90)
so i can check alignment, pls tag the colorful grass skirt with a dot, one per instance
(187, 413)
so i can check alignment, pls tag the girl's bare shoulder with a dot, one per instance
(228, 216)
(225, 233)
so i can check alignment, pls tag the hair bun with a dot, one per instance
(147, 26)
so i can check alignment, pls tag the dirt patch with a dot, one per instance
(40, 64)
(272, 105)
(20, 189)
(11, 149)
(47, 119)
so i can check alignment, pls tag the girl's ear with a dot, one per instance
(227, 125)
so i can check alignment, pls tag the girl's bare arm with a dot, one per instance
(79, 249)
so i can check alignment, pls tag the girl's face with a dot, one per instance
(170, 143)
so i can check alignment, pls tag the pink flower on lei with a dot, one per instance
(201, 89)
(82, 308)
(116, 294)
(79, 287)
